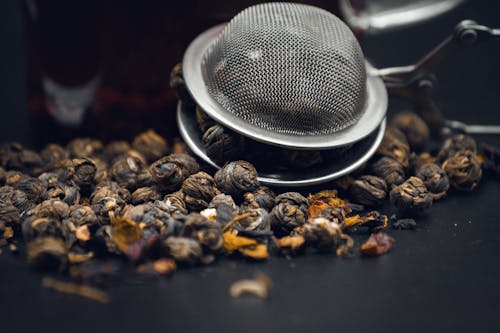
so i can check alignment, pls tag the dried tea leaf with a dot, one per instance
(377, 245)
(259, 286)
(76, 289)
(125, 233)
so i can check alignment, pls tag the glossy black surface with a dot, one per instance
(443, 277)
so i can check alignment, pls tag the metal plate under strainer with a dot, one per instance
(358, 154)
(286, 74)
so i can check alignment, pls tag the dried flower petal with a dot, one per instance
(377, 245)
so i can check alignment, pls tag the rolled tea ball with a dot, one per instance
(368, 190)
(130, 170)
(175, 202)
(33, 187)
(263, 197)
(81, 215)
(455, 144)
(81, 170)
(322, 234)
(236, 178)
(395, 145)
(204, 121)
(145, 194)
(185, 250)
(47, 253)
(151, 145)
(109, 189)
(14, 156)
(463, 170)
(52, 208)
(289, 213)
(84, 147)
(222, 144)
(390, 170)
(224, 199)
(101, 173)
(179, 86)
(207, 233)
(53, 154)
(114, 149)
(411, 197)
(435, 179)
(35, 226)
(415, 129)
(15, 197)
(199, 189)
(170, 171)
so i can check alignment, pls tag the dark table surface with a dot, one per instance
(444, 276)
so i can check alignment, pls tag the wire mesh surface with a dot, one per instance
(287, 68)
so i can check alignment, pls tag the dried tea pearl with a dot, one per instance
(415, 129)
(170, 171)
(52, 208)
(81, 170)
(35, 226)
(258, 219)
(299, 159)
(321, 233)
(176, 201)
(223, 199)
(395, 145)
(208, 233)
(53, 154)
(463, 170)
(290, 212)
(222, 145)
(368, 190)
(151, 145)
(46, 253)
(185, 250)
(108, 207)
(145, 194)
(9, 215)
(236, 178)
(2, 176)
(12, 177)
(81, 215)
(390, 170)
(435, 179)
(204, 121)
(210, 239)
(109, 189)
(411, 196)
(17, 198)
(114, 149)
(199, 189)
(14, 156)
(33, 187)
(417, 161)
(128, 170)
(456, 144)
(84, 147)
(179, 86)
(101, 173)
(263, 197)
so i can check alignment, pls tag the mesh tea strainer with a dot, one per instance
(294, 76)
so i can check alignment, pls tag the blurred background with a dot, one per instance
(101, 68)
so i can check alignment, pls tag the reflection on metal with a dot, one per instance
(377, 16)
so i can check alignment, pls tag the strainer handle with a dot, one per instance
(416, 82)
(465, 33)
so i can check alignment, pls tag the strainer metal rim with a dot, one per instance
(372, 114)
(190, 132)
